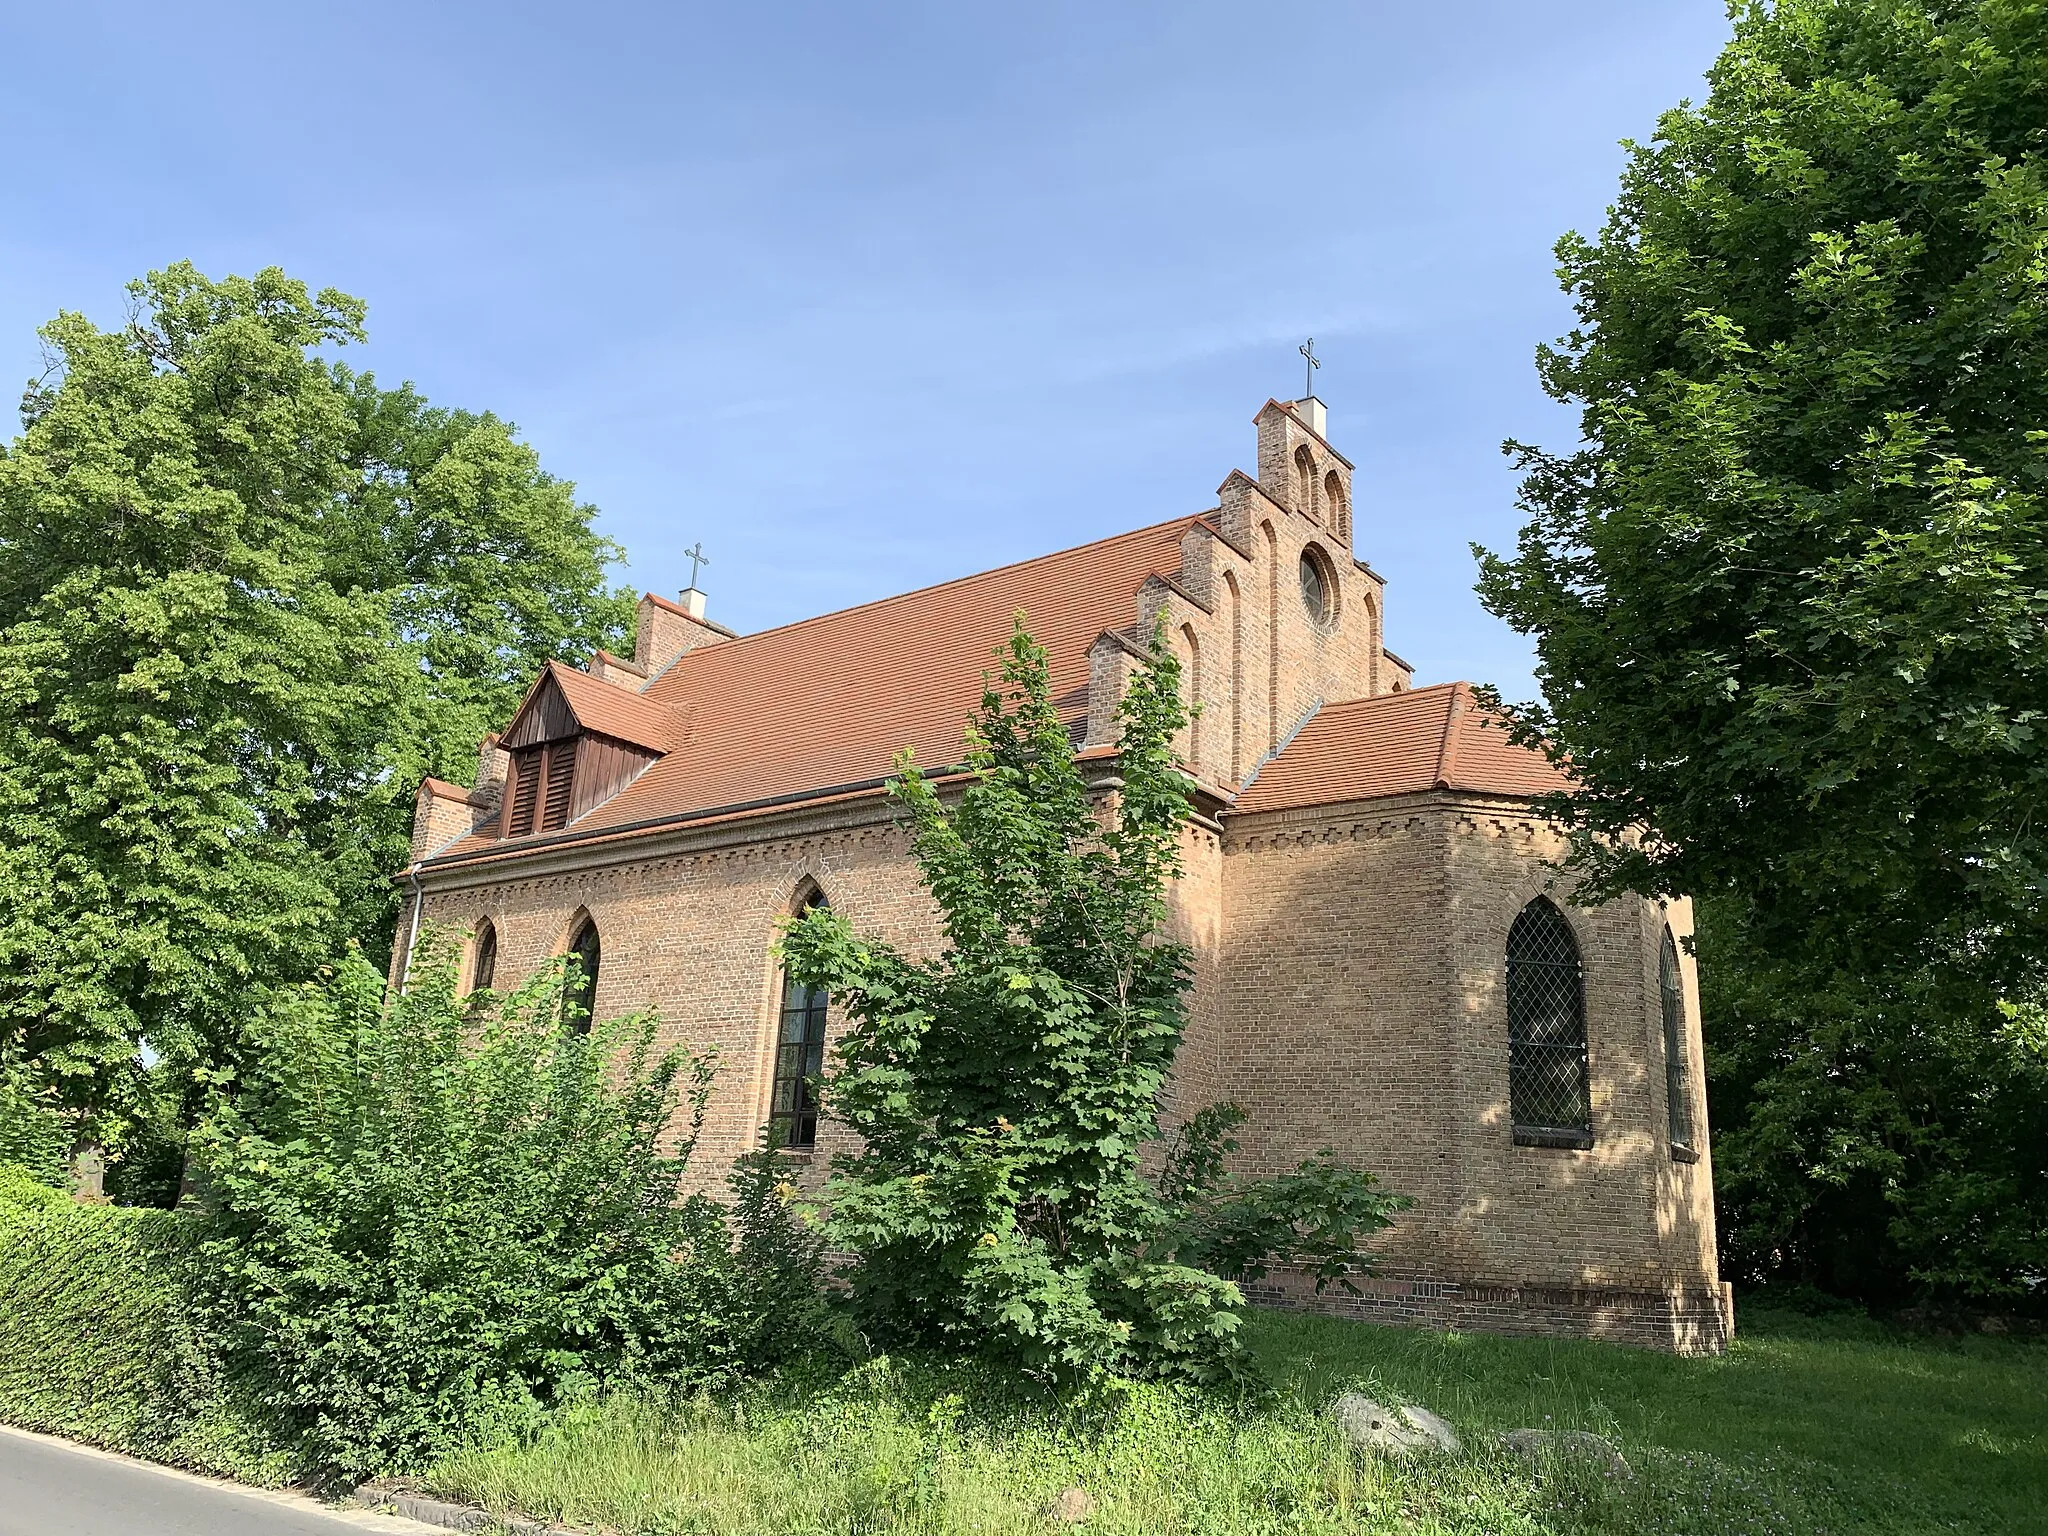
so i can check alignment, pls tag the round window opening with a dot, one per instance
(1318, 587)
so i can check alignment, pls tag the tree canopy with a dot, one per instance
(1789, 591)
(247, 599)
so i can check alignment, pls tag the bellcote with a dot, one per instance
(1300, 470)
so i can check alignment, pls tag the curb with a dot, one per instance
(453, 1517)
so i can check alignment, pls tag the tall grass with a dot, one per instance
(1790, 1434)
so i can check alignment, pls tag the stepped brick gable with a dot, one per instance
(1388, 961)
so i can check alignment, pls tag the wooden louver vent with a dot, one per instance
(543, 788)
(561, 781)
(525, 793)
(564, 765)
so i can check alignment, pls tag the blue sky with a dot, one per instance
(866, 296)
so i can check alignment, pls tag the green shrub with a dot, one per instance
(435, 1217)
(1005, 1089)
(35, 1135)
(25, 1193)
(103, 1339)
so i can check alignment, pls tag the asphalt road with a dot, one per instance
(48, 1488)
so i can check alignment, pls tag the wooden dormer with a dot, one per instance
(574, 743)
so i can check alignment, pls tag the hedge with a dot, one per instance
(100, 1342)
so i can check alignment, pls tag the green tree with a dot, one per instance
(487, 566)
(431, 1215)
(1789, 594)
(1004, 1090)
(246, 600)
(1879, 1135)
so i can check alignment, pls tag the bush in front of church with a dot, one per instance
(433, 1218)
(1004, 1090)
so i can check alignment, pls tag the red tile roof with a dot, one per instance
(1398, 744)
(830, 701)
(612, 710)
(827, 703)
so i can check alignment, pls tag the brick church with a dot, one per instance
(1387, 963)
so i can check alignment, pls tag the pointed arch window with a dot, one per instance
(799, 1058)
(483, 964)
(579, 987)
(1677, 1077)
(1339, 509)
(1304, 482)
(1549, 1092)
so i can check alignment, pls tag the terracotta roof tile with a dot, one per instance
(611, 710)
(830, 701)
(1399, 744)
(827, 703)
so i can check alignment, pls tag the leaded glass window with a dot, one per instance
(1677, 1079)
(579, 987)
(799, 1058)
(1548, 1089)
(483, 970)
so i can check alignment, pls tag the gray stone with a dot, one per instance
(88, 1176)
(1399, 1431)
(1440, 1433)
(414, 1505)
(1536, 1444)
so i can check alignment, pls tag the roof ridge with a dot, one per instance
(603, 682)
(1447, 748)
(741, 641)
(1392, 694)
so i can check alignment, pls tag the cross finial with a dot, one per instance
(696, 558)
(1308, 350)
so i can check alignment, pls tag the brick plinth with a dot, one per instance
(1684, 1320)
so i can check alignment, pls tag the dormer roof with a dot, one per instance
(565, 702)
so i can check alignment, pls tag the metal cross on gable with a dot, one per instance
(696, 557)
(1308, 350)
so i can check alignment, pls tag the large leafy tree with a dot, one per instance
(1789, 596)
(246, 599)
(1004, 1090)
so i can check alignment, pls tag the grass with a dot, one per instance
(1806, 1427)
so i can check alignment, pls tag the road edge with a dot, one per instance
(442, 1515)
(363, 1519)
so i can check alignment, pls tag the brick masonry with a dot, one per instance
(1349, 957)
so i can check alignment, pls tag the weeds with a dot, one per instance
(904, 1446)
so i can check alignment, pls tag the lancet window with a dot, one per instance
(799, 1058)
(1677, 1079)
(1549, 1091)
(483, 965)
(579, 987)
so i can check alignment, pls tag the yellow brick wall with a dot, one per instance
(1363, 1010)
(1347, 994)
(687, 931)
